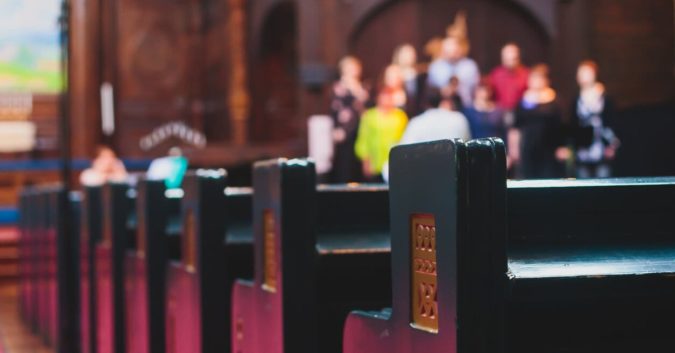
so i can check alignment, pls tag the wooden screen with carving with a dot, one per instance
(424, 301)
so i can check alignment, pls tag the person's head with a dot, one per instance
(587, 73)
(175, 152)
(510, 55)
(453, 48)
(350, 67)
(105, 160)
(434, 97)
(386, 99)
(393, 77)
(483, 93)
(538, 78)
(405, 56)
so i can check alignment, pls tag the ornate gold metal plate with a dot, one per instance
(189, 241)
(424, 305)
(270, 252)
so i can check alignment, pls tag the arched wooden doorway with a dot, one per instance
(274, 73)
(491, 23)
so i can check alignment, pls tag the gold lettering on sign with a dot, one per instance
(269, 245)
(424, 282)
(189, 241)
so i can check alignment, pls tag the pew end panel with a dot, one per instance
(90, 236)
(435, 291)
(320, 251)
(216, 248)
(118, 236)
(158, 228)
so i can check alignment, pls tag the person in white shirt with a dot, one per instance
(439, 122)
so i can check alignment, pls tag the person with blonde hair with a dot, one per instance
(347, 104)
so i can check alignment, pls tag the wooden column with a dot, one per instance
(239, 101)
(84, 78)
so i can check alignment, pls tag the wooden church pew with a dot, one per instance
(118, 235)
(50, 260)
(64, 280)
(319, 252)
(28, 255)
(158, 236)
(216, 248)
(564, 266)
(90, 235)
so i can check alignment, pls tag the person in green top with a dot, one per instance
(380, 129)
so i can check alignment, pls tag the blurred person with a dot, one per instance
(592, 111)
(439, 122)
(451, 92)
(105, 167)
(380, 129)
(509, 80)
(171, 168)
(414, 79)
(393, 82)
(537, 134)
(485, 117)
(454, 63)
(347, 104)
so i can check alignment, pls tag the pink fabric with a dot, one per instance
(9, 234)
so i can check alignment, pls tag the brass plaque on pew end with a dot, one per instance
(269, 248)
(423, 281)
(189, 241)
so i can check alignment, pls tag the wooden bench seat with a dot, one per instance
(118, 235)
(320, 251)
(158, 240)
(216, 248)
(480, 265)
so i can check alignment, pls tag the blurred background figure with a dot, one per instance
(171, 168)
(509, 80)
(105, 167)
(537, 132)
(380, 129)
(439, 122)
(414, 79)
(485, 117)
(592, 112)
(454, 63)
(393, 82)
(347, 104)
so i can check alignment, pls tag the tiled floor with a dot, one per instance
(15, 337)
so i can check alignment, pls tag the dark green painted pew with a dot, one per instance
(158, 241)
(538, 266)
(216, 248)
(320, 251)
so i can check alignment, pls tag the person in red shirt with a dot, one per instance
(509, 80)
